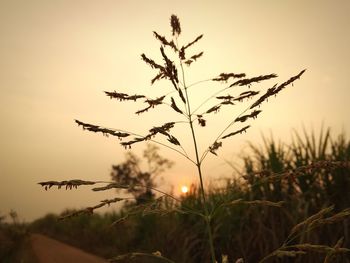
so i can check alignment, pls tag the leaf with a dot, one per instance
(123, 96)
(269, 92)
(227, 102)
(253, 115)
(227, 97)
(227, 76)
(246, 95)
(290, 81)
(264, 202)
(175, 25)
(288, 253)
(70, 184)
(104, 131)
(164, 41)
(151, 62)
(151, 104)
(90, 210)
(159, 76)
(197, 56)
(275, 89)
(183, 48)
(169, 70)
(244, 129)
(311, 219)
(188, 62)
(193, 42)
(110, 186)
(214, 147)
(162, 129)
(256, 202)
(202, 122)
(173, 140)
(193, 58)
(143, 110)
(182, 96)
(243, 82)
(213, 109)
(174, 106)
(135, 140)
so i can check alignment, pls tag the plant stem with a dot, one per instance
(198, 164)
(204, 200)
(204, 203)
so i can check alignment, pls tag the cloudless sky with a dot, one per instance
(57, 57)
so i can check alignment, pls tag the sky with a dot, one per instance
(57, 58)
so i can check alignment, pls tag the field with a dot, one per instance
(242, 226)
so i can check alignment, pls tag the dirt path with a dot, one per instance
(49, 250)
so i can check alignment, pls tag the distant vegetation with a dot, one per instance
(310, 175)
(13, 238)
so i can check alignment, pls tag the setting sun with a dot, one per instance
(184, 189)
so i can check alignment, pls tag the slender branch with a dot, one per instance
(210, 97)
(198, 82)
(167, 104)
(184, 154)
(198, 164)
(167, 146)
(224, 130)
(194, 84)
(111, 184)
(190, 210)
(164, 193)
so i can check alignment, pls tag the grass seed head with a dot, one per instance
(175, 25)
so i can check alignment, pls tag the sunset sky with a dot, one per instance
(58, 56)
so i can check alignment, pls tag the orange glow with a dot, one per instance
(184, 189)
(58, 59)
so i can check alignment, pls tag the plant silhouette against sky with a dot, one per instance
(180, 101)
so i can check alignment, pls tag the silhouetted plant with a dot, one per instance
(180, 100)
(309, 174)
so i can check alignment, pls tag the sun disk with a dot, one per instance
(184, 189)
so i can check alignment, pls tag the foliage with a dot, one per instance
(241, 227)
(12, 236)
(130, 173)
